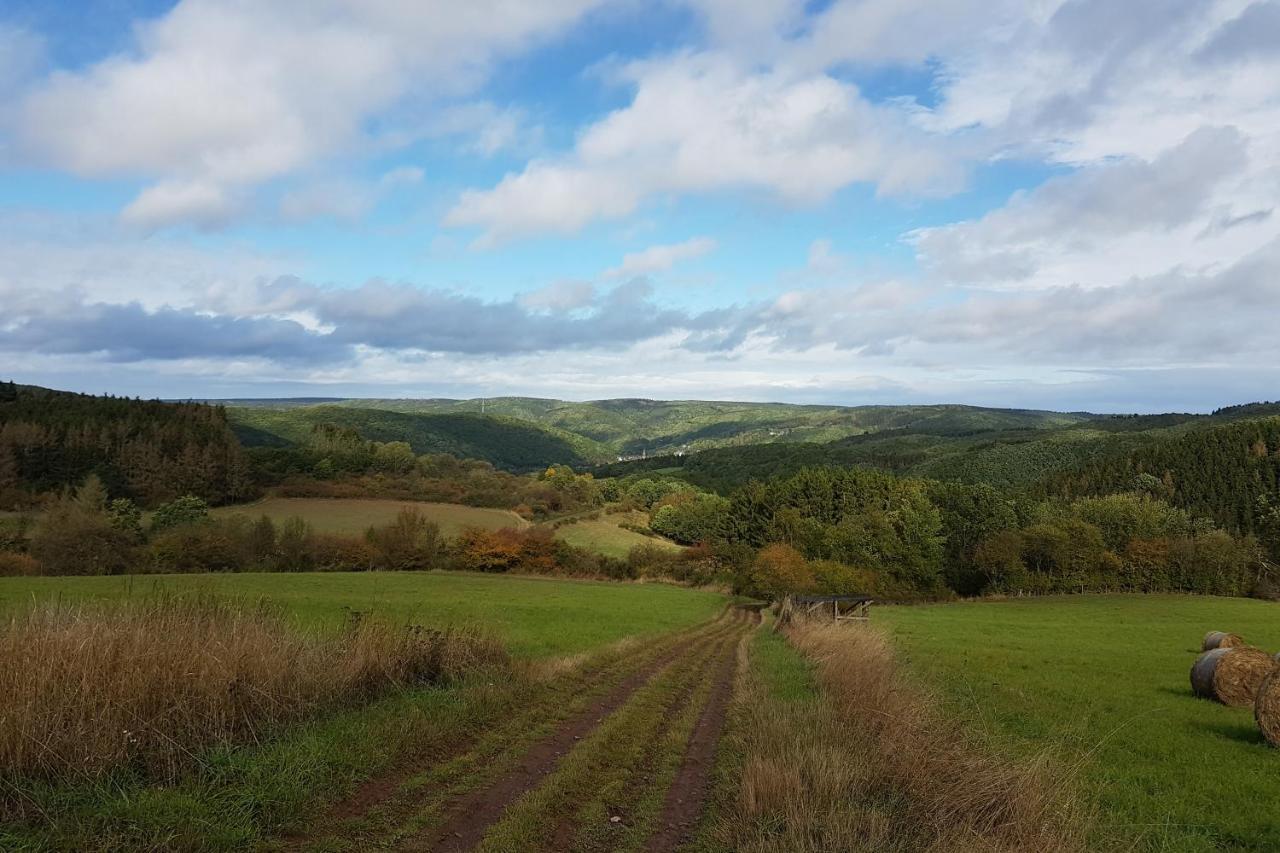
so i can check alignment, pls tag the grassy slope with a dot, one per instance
(354, 516)
(604, 536)
(538, 617)
(1105, 680)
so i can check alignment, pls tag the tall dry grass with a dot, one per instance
(148, 684)
(873, 764)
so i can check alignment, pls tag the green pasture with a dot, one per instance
(538, 617)
(1102, 683)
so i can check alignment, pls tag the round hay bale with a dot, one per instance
(1266, 708)
(1221, 640)
(1232, 675)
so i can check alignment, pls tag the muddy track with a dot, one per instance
(471, 817)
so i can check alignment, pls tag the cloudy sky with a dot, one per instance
(1008, 202)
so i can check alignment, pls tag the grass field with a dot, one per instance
(537, 617)
(1103, 681)
(354, 516)
(453, 738)
(604, 536)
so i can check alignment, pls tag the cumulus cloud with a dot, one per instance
(1174, 318)
(1090, 210)
(699, 123)
(219, 96)
(661, 258)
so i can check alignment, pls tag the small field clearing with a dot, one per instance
(352, 516)
(605, 535)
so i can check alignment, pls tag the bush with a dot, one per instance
(74, 540)
(185, 510)
(331, 553)
(780, 570)
(410, 543)
(208, 546)
(15, 565)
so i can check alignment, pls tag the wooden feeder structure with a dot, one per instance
(836, 608)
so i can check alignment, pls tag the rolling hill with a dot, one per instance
(505, 442)
(603, 430)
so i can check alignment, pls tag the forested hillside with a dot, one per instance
(505, 442)
(148, 450)
(1229, 472)
(632, 427)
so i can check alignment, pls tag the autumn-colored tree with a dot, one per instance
(780, 570)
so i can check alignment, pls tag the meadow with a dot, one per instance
(352, 517)
(536, 617)
(572, 641)
(1101, 682)
(604, 535)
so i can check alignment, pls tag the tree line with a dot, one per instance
(849, 530)
(146, 450)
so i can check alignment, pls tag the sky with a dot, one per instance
(1064, 204)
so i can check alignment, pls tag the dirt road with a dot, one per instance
(616, 757)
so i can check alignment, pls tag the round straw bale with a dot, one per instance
(1233, 675)
(1221, 640)
(1266, 708)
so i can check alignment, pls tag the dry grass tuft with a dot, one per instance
(873, 765)
(148, 684)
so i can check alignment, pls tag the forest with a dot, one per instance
(147, 451)
(1165, 503)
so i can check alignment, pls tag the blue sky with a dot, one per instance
(1062, 203)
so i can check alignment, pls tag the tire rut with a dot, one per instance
(687, 796)
(470, 817)
(384, 788)
(566, 831)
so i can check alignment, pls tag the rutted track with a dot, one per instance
(474, 814)
(647, 741)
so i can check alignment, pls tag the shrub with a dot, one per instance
(332, 553)
(779, 570)
(74, 540)
(207, 546)
(410, 543)
(15, 565)
(185, 510)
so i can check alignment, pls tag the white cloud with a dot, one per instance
(345, 199)
(203, 203)
(222, 95)
(699, 123)
(661, 258)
